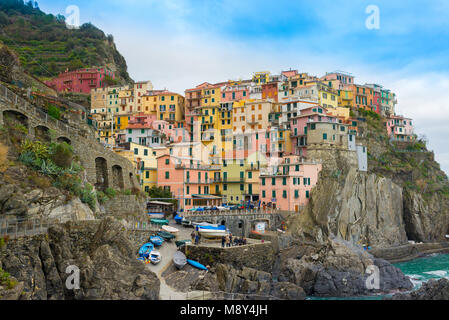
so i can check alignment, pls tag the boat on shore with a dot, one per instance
(155, 257)
(179, 219)
(166, 235)
(196, 264)
(169, 229)
(181, 243)
(208, 231)
(156, 215)
(179, 260)
(145, 250)
(162, 222)
(157, 240)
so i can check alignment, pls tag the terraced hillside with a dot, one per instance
(47, 47)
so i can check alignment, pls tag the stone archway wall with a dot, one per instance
(64, 139)
(85, 146)
(12, 118)
(101, 170)
(42, 133)
(117, 177)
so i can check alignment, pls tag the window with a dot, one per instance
(284, 181)
(284, 194)
(296, 194)
(136, 151)
(250, 175)
(167, 175)
(242, 187)
(225, 187)
(167, 161)
(263, 181)
(297, 167)
(187, 189)
(145, 152)
(273, 194)
(307, 194)
(273, 181)
(264, 195)
(324, 136)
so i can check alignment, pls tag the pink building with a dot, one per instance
(299, 125)
(190, 183)
(235, 93)
(287, 186)
(82, 80)
(400, 128)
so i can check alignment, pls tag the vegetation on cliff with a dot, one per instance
(47, 47)
(403, 196)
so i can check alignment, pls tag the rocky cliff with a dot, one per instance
(404, 195)
(431, 290)
(354, 206)
(100, 249)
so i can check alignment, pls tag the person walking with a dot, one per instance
(223, 241)
(228, 243)
(230, 239)
(197, 239)
(192, 235)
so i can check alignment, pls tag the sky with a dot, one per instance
(178, 44)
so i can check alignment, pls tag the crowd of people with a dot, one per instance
(226, 241)
(229, 241)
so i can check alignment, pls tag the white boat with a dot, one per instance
(156, 215)
(204, 224)
(212, 233)
(170, 229)
(155, 257)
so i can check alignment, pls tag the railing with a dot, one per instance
(229, 212)
(221, 295)
(29, 108)
(15, 228)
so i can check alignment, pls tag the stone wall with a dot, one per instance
(85, 146)
(258, 256)
(409, 251)
(239, 224)
(128, 207)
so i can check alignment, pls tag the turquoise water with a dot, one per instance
(435, 266)
(420, 270)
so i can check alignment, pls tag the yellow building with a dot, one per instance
(340, 112)
(261, 77)
(345, 98)
(144, 161)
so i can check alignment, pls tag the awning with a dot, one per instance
(205, 197)
(160, 203)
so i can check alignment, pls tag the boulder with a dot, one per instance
(431, 290)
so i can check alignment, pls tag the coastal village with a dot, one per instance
(253, 143)
(282, 185)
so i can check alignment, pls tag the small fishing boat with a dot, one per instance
(179, 219)
(157, 240)
(196, 264)
(179, 259)
(186, 223)
(170, 229)
(211, 231)
(155, 257)
(156, 215)
(182, 242)
(166, 235)
(161, 222)
(144, 251)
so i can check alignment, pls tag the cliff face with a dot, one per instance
(404, 196)
(360, 208)
(100, 249)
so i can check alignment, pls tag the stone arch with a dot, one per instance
(13, 117)
(131, 180)
(64, 139)
(101, 169)
(117, 177)
(42, 133)
(223, 222)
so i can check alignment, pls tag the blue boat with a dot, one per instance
(178, 219)
(157, 241)
(144, 251)
(196, 264)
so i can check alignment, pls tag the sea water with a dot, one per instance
(435, 266)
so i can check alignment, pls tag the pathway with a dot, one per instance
(167, 251)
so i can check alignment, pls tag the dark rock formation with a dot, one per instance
(431, 290)
(100, 249)
(338, 270)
